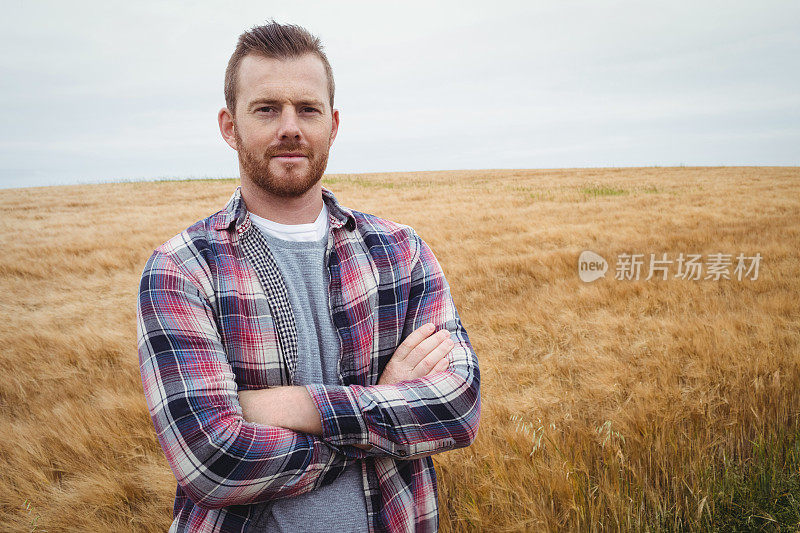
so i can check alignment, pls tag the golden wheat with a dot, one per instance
(604, 403)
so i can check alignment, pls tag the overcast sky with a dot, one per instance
(103, 91)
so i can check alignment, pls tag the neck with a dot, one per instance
(302, 209)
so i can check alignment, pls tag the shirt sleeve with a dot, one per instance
(217, 457)
(418, 417)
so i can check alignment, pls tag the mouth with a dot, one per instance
(289, 156)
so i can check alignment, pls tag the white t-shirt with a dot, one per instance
(295, 232)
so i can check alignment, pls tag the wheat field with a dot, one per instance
(616, 405)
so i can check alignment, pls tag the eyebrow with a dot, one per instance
(272, 101)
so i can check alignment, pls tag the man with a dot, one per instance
(287, 344)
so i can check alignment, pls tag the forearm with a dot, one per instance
(285, 407)
(289, 408)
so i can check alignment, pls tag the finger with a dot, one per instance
(425, 347)
(433, 358)
(413, 340)
(441, 366)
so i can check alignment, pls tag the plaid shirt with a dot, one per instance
(214, 317)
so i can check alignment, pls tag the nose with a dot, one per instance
(289, 127)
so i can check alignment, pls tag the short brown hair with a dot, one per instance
(277, 41)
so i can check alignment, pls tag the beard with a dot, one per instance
(295, 181)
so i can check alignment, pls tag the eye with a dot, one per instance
(265, 109)
(310, 110)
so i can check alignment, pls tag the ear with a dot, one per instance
(227, 127)
(334, 127)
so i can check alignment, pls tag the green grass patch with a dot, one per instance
(761, 493)
(602, 190)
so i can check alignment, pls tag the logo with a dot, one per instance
(717, 266)
(591, 266)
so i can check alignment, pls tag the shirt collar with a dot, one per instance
(235, 212)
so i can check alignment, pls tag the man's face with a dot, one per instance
(284, 125)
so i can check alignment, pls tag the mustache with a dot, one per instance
(288, 147)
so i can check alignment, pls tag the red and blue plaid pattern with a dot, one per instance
(214, 318)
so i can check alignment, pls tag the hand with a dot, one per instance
(421, 354)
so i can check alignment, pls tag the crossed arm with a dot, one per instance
(221, 457)
(421, 354)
